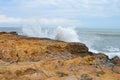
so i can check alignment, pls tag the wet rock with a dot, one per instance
(91, 53)
(116, 61)
(101, 56)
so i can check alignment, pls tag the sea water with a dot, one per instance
(101, 40)
(105, 41)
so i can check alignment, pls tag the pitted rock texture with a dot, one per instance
(25, 58)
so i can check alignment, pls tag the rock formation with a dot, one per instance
(24, 58)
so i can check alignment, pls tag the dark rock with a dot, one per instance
(101, 60)
(61, 74)
(77, 48)
(19, 73)
(30, 71)
(90, 53)
(2, 33)
(101, 56)
(14, 33)
(116, 61)
(85, 77)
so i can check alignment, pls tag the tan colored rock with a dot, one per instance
(23, 58)
(14, 48)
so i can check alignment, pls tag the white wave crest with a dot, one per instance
(66, 34)
(60, 33)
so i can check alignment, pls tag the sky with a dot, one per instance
(76, 13)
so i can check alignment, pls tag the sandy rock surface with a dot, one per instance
(23, 58)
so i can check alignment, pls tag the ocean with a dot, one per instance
(105, 41)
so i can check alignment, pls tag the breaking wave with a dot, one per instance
(59, 33)
(66, 34)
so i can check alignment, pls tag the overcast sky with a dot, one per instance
(80, 13)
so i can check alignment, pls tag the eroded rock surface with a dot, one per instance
(24, 58)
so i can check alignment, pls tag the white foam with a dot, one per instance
(66, 34)
(34, 31)
(112, 49)
(109, 54)
(92, 50)
(112, 54)
(60, 33)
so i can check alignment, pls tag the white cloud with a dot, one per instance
(53, 22)
(5, 19)
(41, 21)
(82, 7)
(59, 21)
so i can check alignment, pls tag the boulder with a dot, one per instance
(101, 56)
(116, 60)
(2, 33)
(14, 33)
(77, 48)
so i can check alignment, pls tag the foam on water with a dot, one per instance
(111, 55)
(112, 49)
(112, 52)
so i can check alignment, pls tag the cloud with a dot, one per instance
(5, 19)
(41, 21)
(52, 22)
(81, 7)
(61, 8)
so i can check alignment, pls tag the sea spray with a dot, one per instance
(34, 31)
(59, 33)
(66, 34)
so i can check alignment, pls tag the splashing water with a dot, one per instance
(60, 33)
(33, 31)
(66, 34)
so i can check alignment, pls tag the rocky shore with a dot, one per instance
(25, 58)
